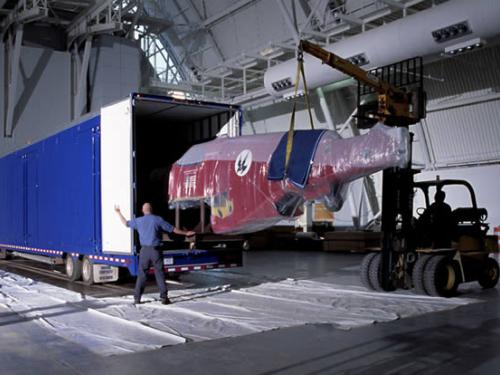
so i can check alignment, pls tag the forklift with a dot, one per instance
(414, 253)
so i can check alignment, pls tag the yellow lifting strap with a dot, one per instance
(300, 71)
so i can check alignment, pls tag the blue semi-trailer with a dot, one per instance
(57, 195)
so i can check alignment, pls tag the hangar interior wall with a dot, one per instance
(44, 89)
(43, 97)
(114, 70)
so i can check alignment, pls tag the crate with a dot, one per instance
(351, 241)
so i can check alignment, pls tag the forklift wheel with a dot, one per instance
(364, 272)
(441, 276)
(418, 273)
(375, 274)
(489, 276)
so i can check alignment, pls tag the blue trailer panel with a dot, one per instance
(50, 192)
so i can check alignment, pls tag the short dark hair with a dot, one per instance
(439, 196)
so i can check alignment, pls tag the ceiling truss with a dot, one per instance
(237, 78)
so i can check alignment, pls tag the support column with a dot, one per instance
(371, 195)
(79, 103)
(244, 81)
(13, 61)
(307, 225)
(352, 206)
(424, 146)
(326, 110)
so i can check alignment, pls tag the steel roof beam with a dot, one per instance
(219, 17)
(25, 12)
(100, 18)
(81, 84)
(393, 4)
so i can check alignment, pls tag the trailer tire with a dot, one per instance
(246, 245)
(364, 271)
(73, 268)
(5, 254)
(441, 276)
(489, 277)
(87, 271)
(417, 275)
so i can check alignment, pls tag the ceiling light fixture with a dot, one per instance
(463, 47)
(450, 32)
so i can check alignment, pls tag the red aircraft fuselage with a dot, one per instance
(231, 175)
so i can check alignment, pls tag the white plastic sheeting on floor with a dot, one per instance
(67, 314)
(115, 326)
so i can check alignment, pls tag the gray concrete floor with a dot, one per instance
(462, 341)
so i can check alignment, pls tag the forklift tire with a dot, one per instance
(417, 275)
(489, 277)
(441, 276)
(364, 271)
(375, 274)
(73, 268)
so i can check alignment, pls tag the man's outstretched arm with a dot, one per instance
(181, 232)
(120, 215)
(169, 228)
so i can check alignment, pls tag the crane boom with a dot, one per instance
(395, 105)
(347, 67)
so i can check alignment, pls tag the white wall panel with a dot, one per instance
(466, 134)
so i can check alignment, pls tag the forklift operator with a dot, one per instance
(150, 228)
(441, 221)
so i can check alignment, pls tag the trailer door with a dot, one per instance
(116, 176)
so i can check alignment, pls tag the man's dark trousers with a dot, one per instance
(148, 256)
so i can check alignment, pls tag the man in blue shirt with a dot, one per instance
(150, 228)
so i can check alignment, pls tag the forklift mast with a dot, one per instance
(393, 95)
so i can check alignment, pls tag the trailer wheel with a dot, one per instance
(418, 273)
(73, 266)
(87, 271)
(441, 276)
(5, 254)
(246, 245)
(364, 271)
(489, 277)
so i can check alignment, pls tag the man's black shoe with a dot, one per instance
(137, 302)
(166, 301)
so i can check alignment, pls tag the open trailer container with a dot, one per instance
(57, 196)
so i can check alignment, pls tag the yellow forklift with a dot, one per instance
(415, 252)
